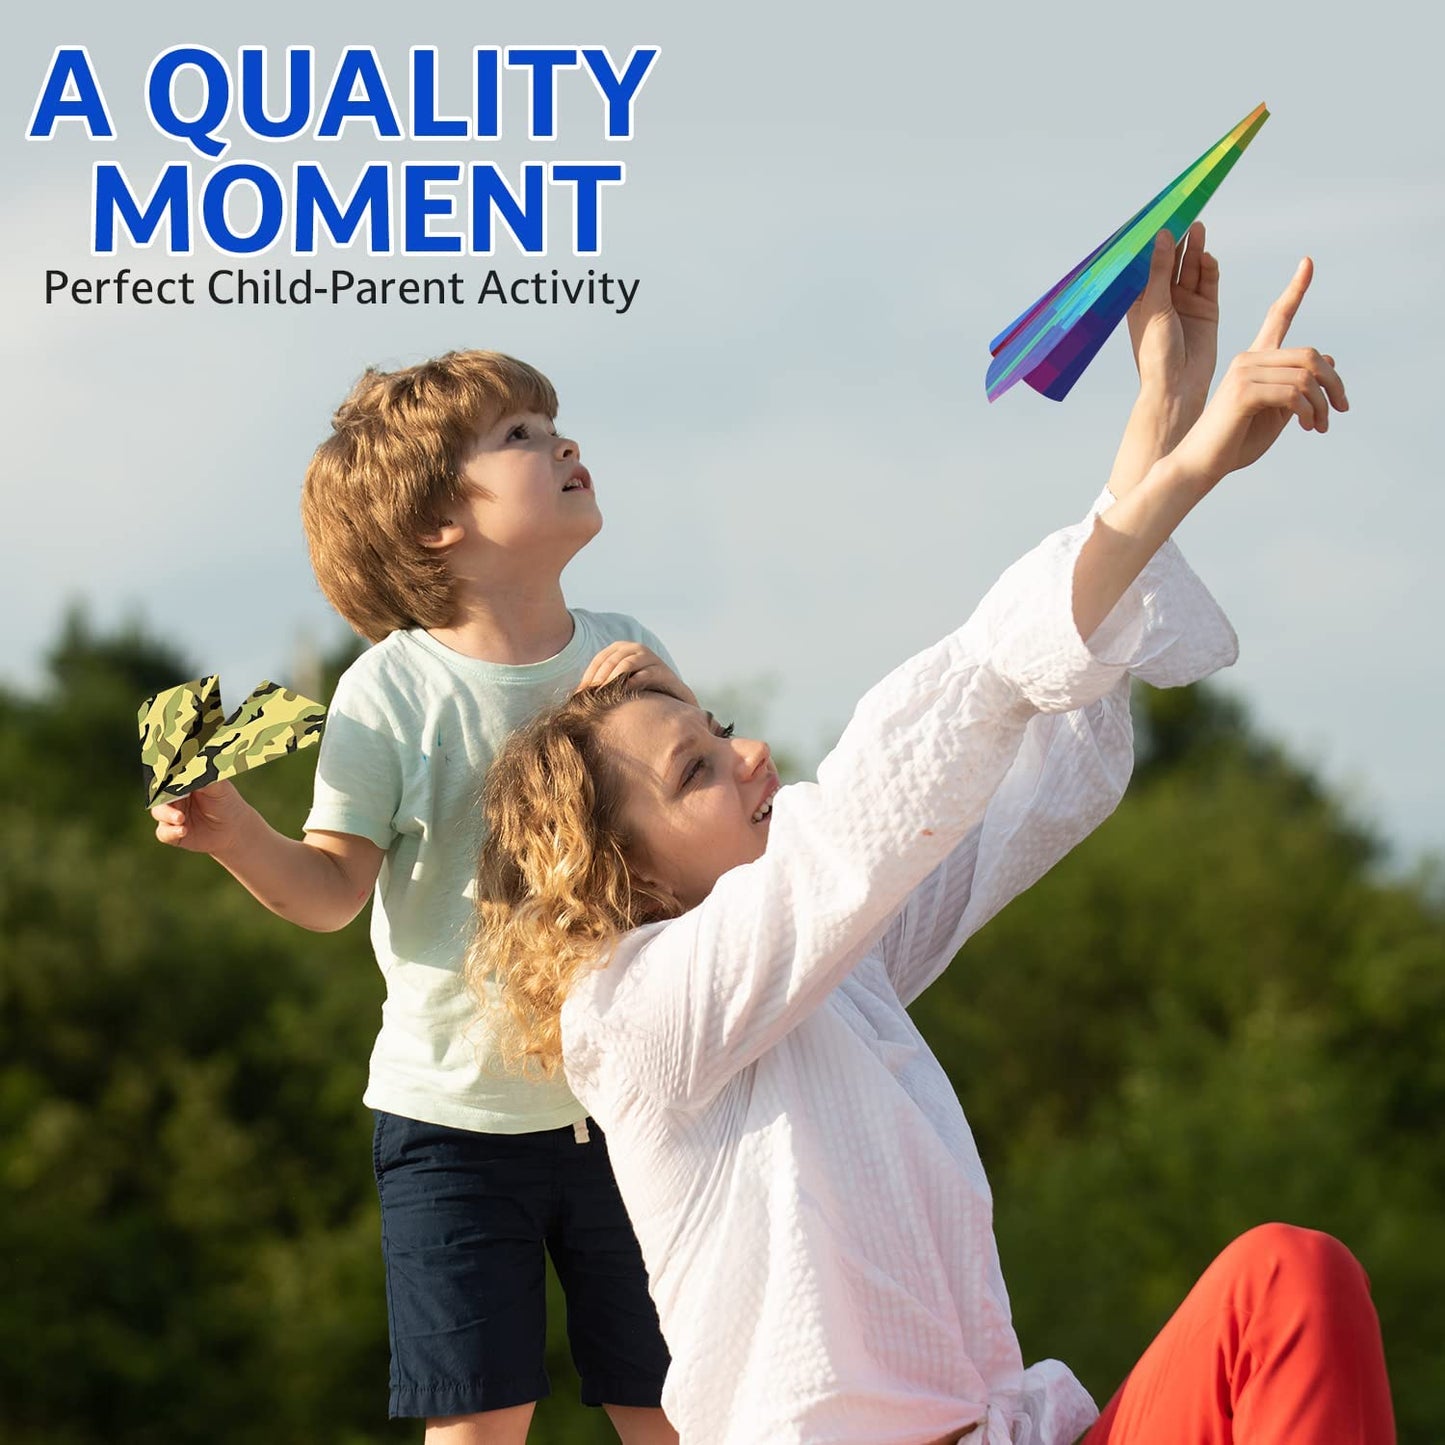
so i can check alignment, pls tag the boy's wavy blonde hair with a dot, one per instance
(556, 886)
(387, 473)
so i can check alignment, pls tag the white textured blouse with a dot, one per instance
(812, 1209)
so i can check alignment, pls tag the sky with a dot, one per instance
(825, 219)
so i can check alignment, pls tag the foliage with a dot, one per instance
(1216, 1012)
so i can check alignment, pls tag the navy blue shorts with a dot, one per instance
(465, 1219)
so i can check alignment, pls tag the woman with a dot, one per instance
(723, 965)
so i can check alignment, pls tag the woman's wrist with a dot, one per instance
(1164, 414)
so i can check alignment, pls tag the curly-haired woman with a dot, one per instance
(722, 965)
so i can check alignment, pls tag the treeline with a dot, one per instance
(1218, 1011)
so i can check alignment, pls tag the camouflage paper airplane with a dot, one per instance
(186, 742)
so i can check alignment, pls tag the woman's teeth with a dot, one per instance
(763, 811)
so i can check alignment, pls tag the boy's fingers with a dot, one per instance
(1279, 316)
(603, 667)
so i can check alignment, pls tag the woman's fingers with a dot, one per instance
(1155, 296)
(1273, 384)
(1277, 319)
(1187, 257)
(1313, 374)
(1208, 287)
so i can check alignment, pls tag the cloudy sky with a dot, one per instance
(826, 223)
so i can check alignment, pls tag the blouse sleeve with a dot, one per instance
(683, 1005)
(1068, 775)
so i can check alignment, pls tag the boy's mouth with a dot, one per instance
(579, 481)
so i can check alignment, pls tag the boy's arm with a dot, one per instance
(320, 882)
(1174, 330)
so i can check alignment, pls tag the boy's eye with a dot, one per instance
(519, 433)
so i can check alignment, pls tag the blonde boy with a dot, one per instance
(440, 513)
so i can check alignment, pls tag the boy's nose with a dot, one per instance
(568, 449)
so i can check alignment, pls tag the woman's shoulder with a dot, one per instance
(597, 991)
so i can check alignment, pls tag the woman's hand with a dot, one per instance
(1174, 325)
(1174, 330)
(1262, 389)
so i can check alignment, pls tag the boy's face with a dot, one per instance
(528, 492)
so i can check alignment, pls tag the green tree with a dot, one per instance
(1219, 1010)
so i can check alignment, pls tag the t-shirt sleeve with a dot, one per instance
(649, 638)
(358, 775)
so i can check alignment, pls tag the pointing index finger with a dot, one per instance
(1277, 320)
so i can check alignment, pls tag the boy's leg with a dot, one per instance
(611, 1321)
(491, 1427)
(462, 1224)
(641, 1427)
(1278, 1344)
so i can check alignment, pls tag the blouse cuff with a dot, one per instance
(1184, 634)
(1166, 628)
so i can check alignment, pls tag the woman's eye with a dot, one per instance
(726, 730)
(693, 769)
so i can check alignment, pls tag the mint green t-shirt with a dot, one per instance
(410, 734)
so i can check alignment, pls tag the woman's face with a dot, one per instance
(696, 801)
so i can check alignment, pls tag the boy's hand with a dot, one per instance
(204, 821)
(643, 663)
(1262, 389)
(321, 882)
(1174, 325)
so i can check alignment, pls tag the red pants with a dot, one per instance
(1278, 1344)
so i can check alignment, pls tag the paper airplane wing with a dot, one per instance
(1051, 343)
(186, 744)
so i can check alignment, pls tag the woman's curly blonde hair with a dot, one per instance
(556, 887)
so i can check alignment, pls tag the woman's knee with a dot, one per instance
(1306, 1259)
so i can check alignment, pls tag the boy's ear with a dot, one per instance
(441, 534)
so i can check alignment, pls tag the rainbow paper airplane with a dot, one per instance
(1058, 336)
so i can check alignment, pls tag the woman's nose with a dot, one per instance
(753, 756)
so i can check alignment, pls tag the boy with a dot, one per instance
(439, 516)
